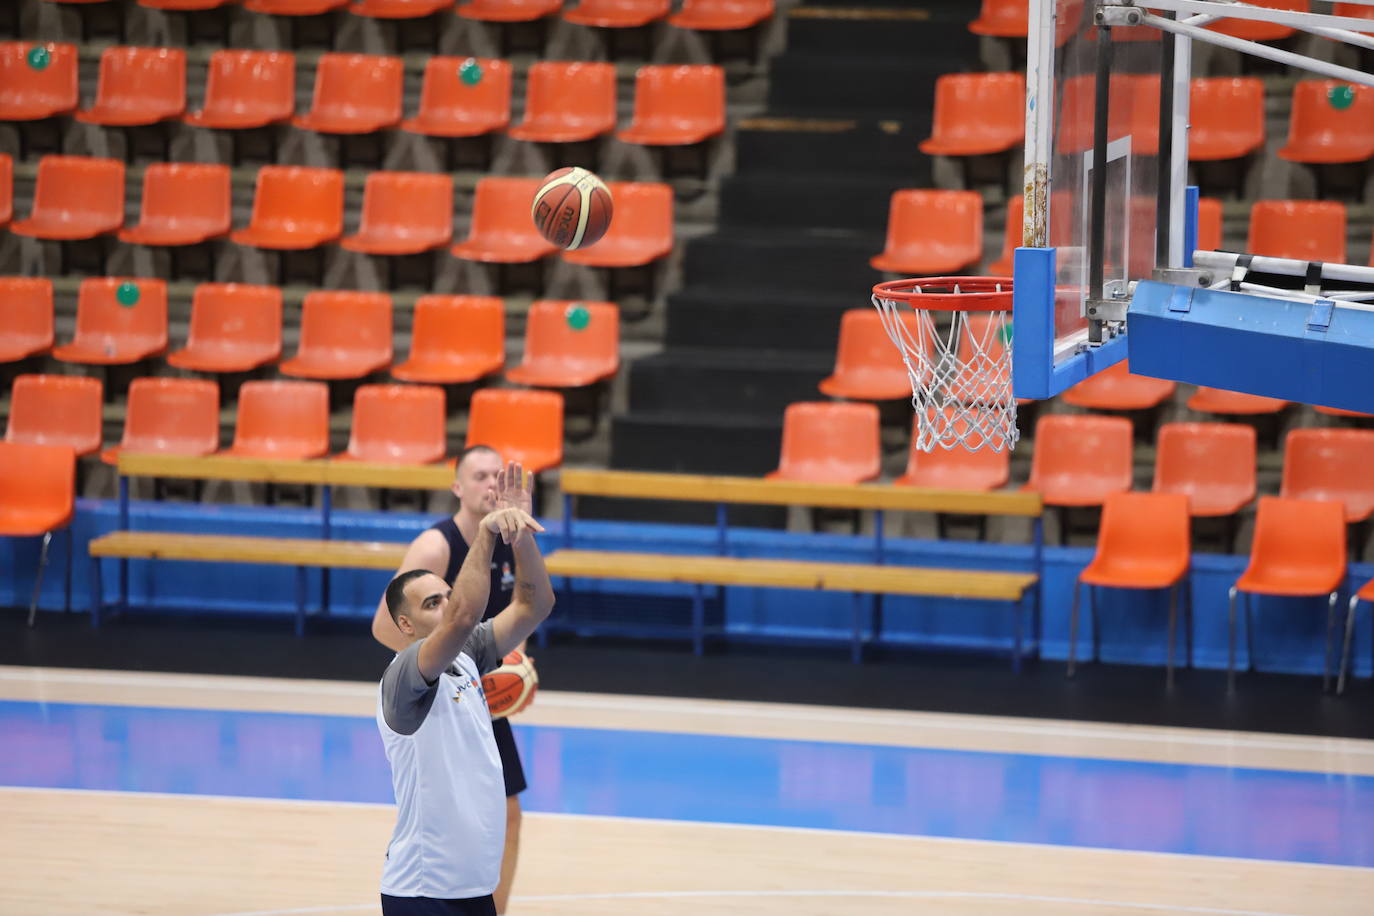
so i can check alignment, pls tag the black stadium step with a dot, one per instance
(758, 384)
(810, 261)
(901, 31)
(771, 145)
(830, 86)
(780, 201)
(728, 319)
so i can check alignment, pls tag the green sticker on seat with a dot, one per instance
(470, 72)
(39, 57)
(577, 316)
(1341, 97)
(127, 294)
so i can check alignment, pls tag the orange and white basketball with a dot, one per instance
(572, 208)
(511, 687)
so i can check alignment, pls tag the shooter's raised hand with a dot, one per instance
(515, 488)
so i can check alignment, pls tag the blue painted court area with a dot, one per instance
(1200, 810)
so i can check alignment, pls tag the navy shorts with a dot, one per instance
(429, 906)
(510, 757)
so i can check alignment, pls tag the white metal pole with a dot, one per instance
(1178, 154)
(1035, 222)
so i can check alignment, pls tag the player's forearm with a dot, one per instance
(532, 586)
(466, 604)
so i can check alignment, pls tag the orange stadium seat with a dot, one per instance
(1226, 117)
(281, 419)
(1080, 460)
(1002, 18)
(450, 107)
(169, 416)
(721, 15)
(399, 9)
(867, 366)
(977, 113)
(404, 213)
(617, 14)
(138, 86)
(76, 197)
(502, 231)
(293, 7)
(559, 354)
(1308, 230)
(1331, 465)
(109, 332)
(955, 468)
(1209, 236)
(246, 89)
(398, 424)
(641, 231)
(676, 105)
(57, 410)
(354, 94)
(932, 232)
(524, 426)
(509, 10)
(234, 328)
(828, 442)
(1220, 401)
(1117, 389)
(28, 327)
(1320, 132)
(29, 93)
(184, 5)
(455, 339)
(1340, 412)
(37, 483)
(183, 203)
(294, 207)
(1213, 464)
(567, 102)
(6, 190)
(344, 334)
(1253, 29)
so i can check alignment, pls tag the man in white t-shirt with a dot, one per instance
(444, 858)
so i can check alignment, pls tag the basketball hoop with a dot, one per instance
(957, 356)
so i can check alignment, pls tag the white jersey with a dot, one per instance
(450, 795)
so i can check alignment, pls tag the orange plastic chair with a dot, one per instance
(246, 89)
(828, 442)
(293, 7)
(1220, 401)
(977, 113)
(138, 86)
(108, 332)
(404, 213)
(617, 14)
(1339, 412)
(31, 94)
(1209, 236)
(354, 94)
(1254, 30)
(1117, 389)
(1308, 230)
(75, 197)
(37, 496)
(1011, 240)
(28, 328)
(932, 232)
(398, 424)
(867, 366)
(455, 339)
(398, 9)
(343, 335)
(677, 105)
(509, 10)
(1298, 551)
(721, 15)
(1320, 132)
(279, 419)
(524, 426)
(641, 232)
(234, 328)
(981, 470)
(568, 102)
(169, 416)
(61, 410)
(450, 107)
(184, 5)
(6, 190)
(294, 208)
(502, 231)
(183, 204)
(1331, 465)
(1365, 593)
(1226, 117)
(1002, 19)
(559, 354)
(1080, 460)
(1212, 464)
(1142, 543)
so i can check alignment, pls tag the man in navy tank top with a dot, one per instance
(441, 549)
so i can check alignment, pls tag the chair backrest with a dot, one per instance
(1213, 464)
(408, 206)
(1319, 132)
(867, 365)
(1331, 464)
(1308, 230)
(681, 94)
(1226, 117)
(1305, 538)
(981, 469)
(977, 113)
(508, 10)
(281, 419)
(446, 97)
(398, 424)
(1002, 18)
(643, 213)
(501, 206)
(1115, 388)
(27, 304)
(187, 197)
(358, 88)
(245, 88)
(398, 9)
(572, 94)
(57, 410)
(1221, 401)
(141, 83)
(1145, 529)
(80, 189)
(1255, 30)
(552, 340)
(172, 416)
(1087, 456)
(443, 326)
(920, 219)
(618, 13)
(830, 442)
(524, 426)
(236, 316)
(1209, 233)
(295, 197)
(102, 319)
(29, 92)
(346, 322)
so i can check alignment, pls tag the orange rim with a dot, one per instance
(975, 294)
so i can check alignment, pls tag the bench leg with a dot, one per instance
(38, 578)
(1073, 628)
(300, 600)
(698, 619)
(1345, 644)
(1231, 640)
(856, 632)
(97, 594)
(1173, 634)
(1018, 622)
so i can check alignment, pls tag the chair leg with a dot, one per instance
(1346, 643)
(1247, 601)
(38, 579)
(1073, 629)
(1173, 631)
(1092, 618)
(1330, 625)
(1231, 640)
(1188, 619)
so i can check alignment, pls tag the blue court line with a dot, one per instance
(1062, 801)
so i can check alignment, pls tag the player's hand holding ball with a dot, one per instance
(510, 689)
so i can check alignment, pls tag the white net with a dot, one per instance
(959, 363)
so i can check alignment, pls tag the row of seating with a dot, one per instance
(362, 93)
(1010, 19)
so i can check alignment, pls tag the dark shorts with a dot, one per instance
(428, 906)
(510, 757)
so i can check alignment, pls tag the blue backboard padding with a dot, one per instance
(1253, 344)
(1191, 206)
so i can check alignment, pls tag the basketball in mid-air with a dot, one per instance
(510, 688)
(572, 208)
